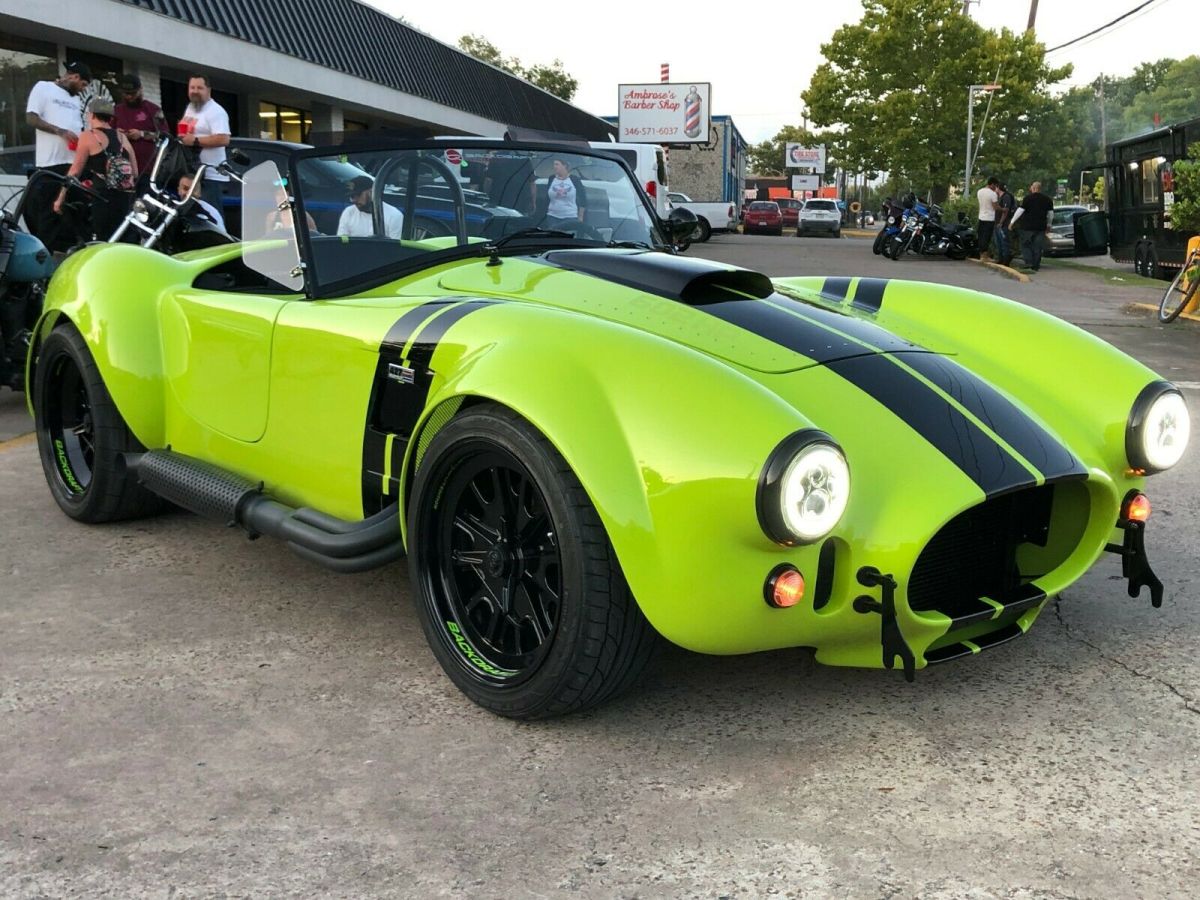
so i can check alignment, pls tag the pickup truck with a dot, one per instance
(713, 216)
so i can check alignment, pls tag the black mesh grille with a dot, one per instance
(974, 555)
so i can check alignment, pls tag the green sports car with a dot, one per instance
(582, 440)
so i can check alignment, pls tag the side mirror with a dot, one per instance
(239, 157)
(680, 224)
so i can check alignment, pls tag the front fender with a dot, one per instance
(667, 442)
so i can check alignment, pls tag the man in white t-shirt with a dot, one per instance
(205, 126)
(989, 205)
(358, 219)
(56, 114)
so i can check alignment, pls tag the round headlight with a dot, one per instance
(803, 489)
(1158, 429)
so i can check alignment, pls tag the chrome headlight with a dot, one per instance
(803, 489)
(1158, 429)
(141, 211)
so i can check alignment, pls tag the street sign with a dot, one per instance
(806, 182)
(664, 113)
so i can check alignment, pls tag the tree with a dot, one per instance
(1173, 99)
(893, 87)
(552, 78)
(1185, 213)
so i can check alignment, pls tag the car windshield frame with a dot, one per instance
(318, 287)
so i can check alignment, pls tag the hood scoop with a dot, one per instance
(696, 282)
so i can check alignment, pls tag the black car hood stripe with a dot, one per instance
(861, 352)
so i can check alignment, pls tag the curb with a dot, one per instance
(22, 439)
(858, 233)
(1006, 271)
(1153, 307)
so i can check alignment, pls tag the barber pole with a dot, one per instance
(691, 113)
(665, 71)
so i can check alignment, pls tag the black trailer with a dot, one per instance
(1139, 194)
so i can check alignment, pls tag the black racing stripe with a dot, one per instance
(404, 327)
(800, 335)
(876, 337)
(934, 418)
(1023, 434)
(835, 289)
(431, 335)
(396, 405)
(868, 295)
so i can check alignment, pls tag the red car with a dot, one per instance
(763, 215)
(791, 211)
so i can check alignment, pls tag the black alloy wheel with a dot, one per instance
(82, 437)
(517, 587)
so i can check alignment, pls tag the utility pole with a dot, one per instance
(1103, 120)
(1032, 14)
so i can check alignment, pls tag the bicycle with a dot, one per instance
(1182, 289)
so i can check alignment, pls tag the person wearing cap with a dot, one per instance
(54, 110)
(139, 120)
(358, 219)
(205, 127)
(98, 149)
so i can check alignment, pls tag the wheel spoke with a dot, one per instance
(477, 531)
(472, 558)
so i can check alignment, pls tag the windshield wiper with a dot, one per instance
(530, 233)
(631, 245)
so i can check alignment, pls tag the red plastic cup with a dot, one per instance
(73, 144)
(183, 128)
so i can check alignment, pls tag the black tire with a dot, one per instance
(81, 436)
(838, 233)
(517, 587)
(1176, 297)
(1152, 269)
(1139, 259)
(703, 231)
(880, 241)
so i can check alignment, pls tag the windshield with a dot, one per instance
(396, 209)
(268, 229)
(764, 206)
(822, 205)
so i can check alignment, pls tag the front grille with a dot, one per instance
(975, 554)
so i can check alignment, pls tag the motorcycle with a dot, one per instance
(25, 268)
(925, 233)
(909, 235)
(167, 221)
(893, 218)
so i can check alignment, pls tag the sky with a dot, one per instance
(758, 64)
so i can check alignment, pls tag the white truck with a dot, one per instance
(710, 216)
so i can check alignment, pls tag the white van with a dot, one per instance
(649, 166)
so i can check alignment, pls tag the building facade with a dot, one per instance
(712, 171)
(283, 69)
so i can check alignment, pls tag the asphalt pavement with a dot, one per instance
(185, 713)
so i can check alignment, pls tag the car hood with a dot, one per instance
(734, 314)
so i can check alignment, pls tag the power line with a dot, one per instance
(1094, 31)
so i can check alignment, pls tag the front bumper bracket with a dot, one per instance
(1135, 564)
(894, 646)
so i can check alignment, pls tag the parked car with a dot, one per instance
(1061, 240)
(791, 211)
(818, 215)
(764, 216)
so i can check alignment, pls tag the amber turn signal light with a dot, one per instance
(1137, 508)
(784, 587)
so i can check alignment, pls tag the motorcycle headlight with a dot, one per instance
(1158, 429)
(141, 211)
(803, 489)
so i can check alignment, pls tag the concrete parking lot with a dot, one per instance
(184, 713)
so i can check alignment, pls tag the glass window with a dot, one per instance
(1150, 180)
(378, 211)
(283, 123)
(105, 72)
(22, 64)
